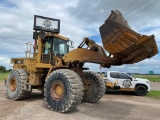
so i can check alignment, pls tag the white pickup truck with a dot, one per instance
(124, 82)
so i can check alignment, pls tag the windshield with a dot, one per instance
(56, 46)
(60, 47)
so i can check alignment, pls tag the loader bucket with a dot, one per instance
(123, 43)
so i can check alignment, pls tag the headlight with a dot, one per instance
(148, 82)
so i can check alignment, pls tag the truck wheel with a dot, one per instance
(96, 87)
(14, 85)
(140, 90)
(63, 90)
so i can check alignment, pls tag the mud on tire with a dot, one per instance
(63, 90)
(97, 89)
(14, 85)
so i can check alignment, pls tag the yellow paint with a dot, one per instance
(59, 90)
(109, 84)
(116, 82)
(39, 42)
(56, 35)
(61, 37)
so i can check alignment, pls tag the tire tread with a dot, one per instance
(76, 88)
(101, 88)
(21, 94)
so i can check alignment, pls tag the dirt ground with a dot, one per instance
(110, 107)
(155, 86)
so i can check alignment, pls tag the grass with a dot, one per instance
(3, 75)
(154, 94)
(153, 78)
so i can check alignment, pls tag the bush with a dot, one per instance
(2, 69)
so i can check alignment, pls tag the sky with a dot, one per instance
(79, 19)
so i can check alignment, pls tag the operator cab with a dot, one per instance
(54, 45)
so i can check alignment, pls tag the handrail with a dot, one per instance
(29, 49)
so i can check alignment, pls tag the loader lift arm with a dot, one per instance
(93, 54)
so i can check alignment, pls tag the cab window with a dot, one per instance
(114, 75)
(47, 47)
(60, 47)
(123, 76)
(55, 46)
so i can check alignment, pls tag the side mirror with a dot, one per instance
(70, 44)
(131, 78)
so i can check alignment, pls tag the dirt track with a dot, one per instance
(111, 107)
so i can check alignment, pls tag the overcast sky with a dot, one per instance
(79, 19)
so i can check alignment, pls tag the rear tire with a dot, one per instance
(141, 90)
(63, 90)
(96, 88)
(14, 85)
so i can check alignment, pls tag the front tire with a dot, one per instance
(96, 87)
(141, 90)
(63, 90)
(14, 85)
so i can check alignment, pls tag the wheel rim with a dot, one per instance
(13, 84)
(57, 90)
(141, 91)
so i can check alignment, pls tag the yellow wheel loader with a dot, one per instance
(51, 68)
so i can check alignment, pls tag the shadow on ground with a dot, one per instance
(128, 93)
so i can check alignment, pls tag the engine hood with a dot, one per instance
(141, 79)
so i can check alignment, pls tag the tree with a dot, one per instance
(9, 70)
(2, 69)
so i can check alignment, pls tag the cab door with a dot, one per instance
(47, 51)
(125, 81)
(113, 77)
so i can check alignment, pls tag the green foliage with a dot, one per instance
(154, 94)
(3, 75)
(9, 70)
(153, 78)
(2, 69)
